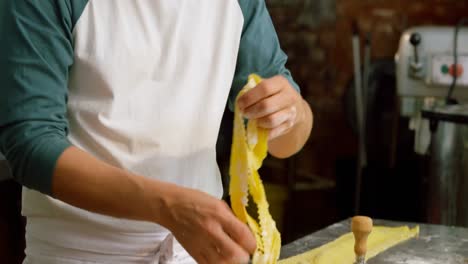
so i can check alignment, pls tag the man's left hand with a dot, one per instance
(275, 104)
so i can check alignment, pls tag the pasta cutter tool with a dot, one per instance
(361, 226)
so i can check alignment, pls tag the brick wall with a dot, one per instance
(316, 34)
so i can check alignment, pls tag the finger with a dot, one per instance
(207, 257)
(228, 257)
(230, 252)
(280, 130)
(240, 233)
(268, 106)
(276, 119)
(224, 248)
(213, 253)
(266, 88)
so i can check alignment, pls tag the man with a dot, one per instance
(109, 116)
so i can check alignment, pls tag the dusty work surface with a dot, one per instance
(435, 245)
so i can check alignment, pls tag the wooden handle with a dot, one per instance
(361, 227)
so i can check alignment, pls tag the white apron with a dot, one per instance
(147, 92)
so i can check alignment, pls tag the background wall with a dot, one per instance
(316, 34)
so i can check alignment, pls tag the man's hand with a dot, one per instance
(277, 106)
(207, 229)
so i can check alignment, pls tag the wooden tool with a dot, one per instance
(361, 227)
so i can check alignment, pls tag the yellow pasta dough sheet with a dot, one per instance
(249, 149)
(341, 250)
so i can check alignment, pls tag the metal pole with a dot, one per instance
(362, 160)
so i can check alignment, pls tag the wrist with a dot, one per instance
(161, 197)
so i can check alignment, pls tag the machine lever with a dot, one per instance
(415, 40)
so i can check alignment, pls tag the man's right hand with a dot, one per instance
(207, 228)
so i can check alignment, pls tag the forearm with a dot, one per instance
(291, 142)
(88, 183)
(191, 215)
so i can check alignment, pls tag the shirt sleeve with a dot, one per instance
(36, 52)
(259, 50)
